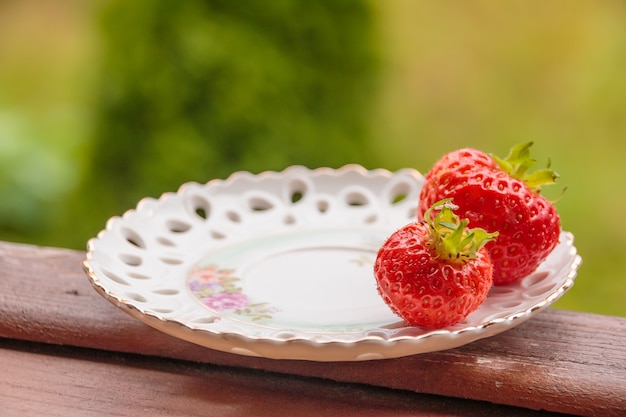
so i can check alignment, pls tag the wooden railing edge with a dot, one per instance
(562, 361)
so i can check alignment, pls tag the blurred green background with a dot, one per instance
(103, 102)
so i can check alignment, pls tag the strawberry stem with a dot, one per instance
(518, 162)
(451, 238)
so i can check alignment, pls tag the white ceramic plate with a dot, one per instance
(279, 265)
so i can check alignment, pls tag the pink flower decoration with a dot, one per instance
(210, 273)
(226, 301)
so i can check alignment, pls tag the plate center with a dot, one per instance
(318, 286)
(321, 281)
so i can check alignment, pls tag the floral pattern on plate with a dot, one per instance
(219, 290)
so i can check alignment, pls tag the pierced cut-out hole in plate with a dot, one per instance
(206, 320)
(400, 192)
(371, 218)
(508, 305)
(163, 310)
(115, 278)
(398, 198)
(217, 235)
(165, 241)
(322, 206)
(540, 290)
(233, 216)
(297, 190)
(166, 291)
(137, 275)
(171, 261)
(296, 196)
(260, 204)
(201, 207)
(200, 212)
(130, 260)
(501, 291)
(535, 279)
(177, 226)
(356, 199)
(133, 238)
(137, 297)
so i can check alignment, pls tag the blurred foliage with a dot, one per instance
(43, 56)
(103, 102)
(196, 90)
(488, 75)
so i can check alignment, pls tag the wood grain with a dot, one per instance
(66, 382)
(558, 361)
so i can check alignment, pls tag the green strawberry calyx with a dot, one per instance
(518, 163)
(451, 238)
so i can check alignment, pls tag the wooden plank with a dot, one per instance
(558, 361)
(65, 382)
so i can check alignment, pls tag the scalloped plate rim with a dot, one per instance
(300, 344)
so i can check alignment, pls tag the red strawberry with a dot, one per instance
(499, 195)
(435, 272)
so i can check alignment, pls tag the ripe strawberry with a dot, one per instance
(499, 195)
(435, 272)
